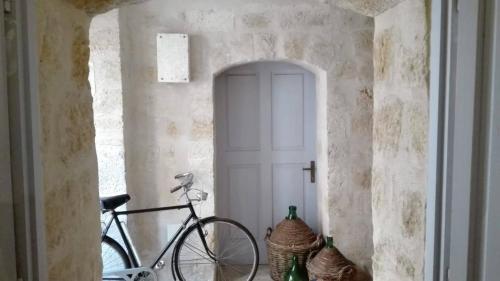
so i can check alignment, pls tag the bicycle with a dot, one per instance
(200, 250)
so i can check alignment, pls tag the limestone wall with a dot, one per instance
(400, 141)
(367, 7)
(106, 83)
(169, 127)
(68, 150)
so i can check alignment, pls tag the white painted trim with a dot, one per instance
(463, 129)
(468, 231)
(460, 130)
(489, 228)
(26, 163)
(437, 95)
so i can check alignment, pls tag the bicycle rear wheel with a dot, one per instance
(232, 252)
(114, 257)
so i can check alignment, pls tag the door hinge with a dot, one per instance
(7, 6)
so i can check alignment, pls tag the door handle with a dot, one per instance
(312, 170)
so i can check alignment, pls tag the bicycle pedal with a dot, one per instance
(160, 265)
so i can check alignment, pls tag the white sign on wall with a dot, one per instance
(172, 57)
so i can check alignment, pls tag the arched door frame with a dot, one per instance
(321, 132)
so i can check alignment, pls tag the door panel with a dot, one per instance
(288, 111)
(288, 188)
(265, 135)
(244, 180)
(242, 103)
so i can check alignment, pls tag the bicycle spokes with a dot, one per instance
(233, 258)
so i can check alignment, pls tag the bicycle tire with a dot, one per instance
(214, 220)
(119, 253)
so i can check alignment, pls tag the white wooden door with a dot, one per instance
(265, 136)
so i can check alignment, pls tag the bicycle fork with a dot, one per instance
(203, 233)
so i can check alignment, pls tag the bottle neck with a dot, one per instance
(292, 213)
(329, 242)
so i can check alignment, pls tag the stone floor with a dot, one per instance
(263, 274)
(197, 274)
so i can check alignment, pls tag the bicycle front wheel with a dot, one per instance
(114, 258)
(230, 253)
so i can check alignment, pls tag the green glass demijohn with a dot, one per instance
(296, 272)
(292, 213)
(329, 242)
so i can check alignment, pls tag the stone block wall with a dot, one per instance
(106, 83)
(169, 127)
(68, 148)
(333, 43)
(401, 54)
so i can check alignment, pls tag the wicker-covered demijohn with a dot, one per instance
(330, 265)
(291, 237)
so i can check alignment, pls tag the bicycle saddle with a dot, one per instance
(113, 202)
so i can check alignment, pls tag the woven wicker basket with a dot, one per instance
(331, 265)
(291, 237)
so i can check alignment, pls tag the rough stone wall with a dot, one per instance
(96, 7)
(68, 150)
(334, 43)
(106, 83)
(367, 7)
(169, 127)
(400, 141)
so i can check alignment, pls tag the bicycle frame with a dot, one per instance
(127, 242)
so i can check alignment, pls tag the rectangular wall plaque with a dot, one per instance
(173, 57)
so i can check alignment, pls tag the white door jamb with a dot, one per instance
(438, 72)
(25, 146)
(463, 142)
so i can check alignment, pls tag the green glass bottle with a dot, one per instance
(329, 242)
(292, 213)
(296, 272)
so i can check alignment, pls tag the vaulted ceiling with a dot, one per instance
(364, 7)
(367, 7)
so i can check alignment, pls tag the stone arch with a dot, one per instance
(302, 63)
(321, 127)
(347, 105)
